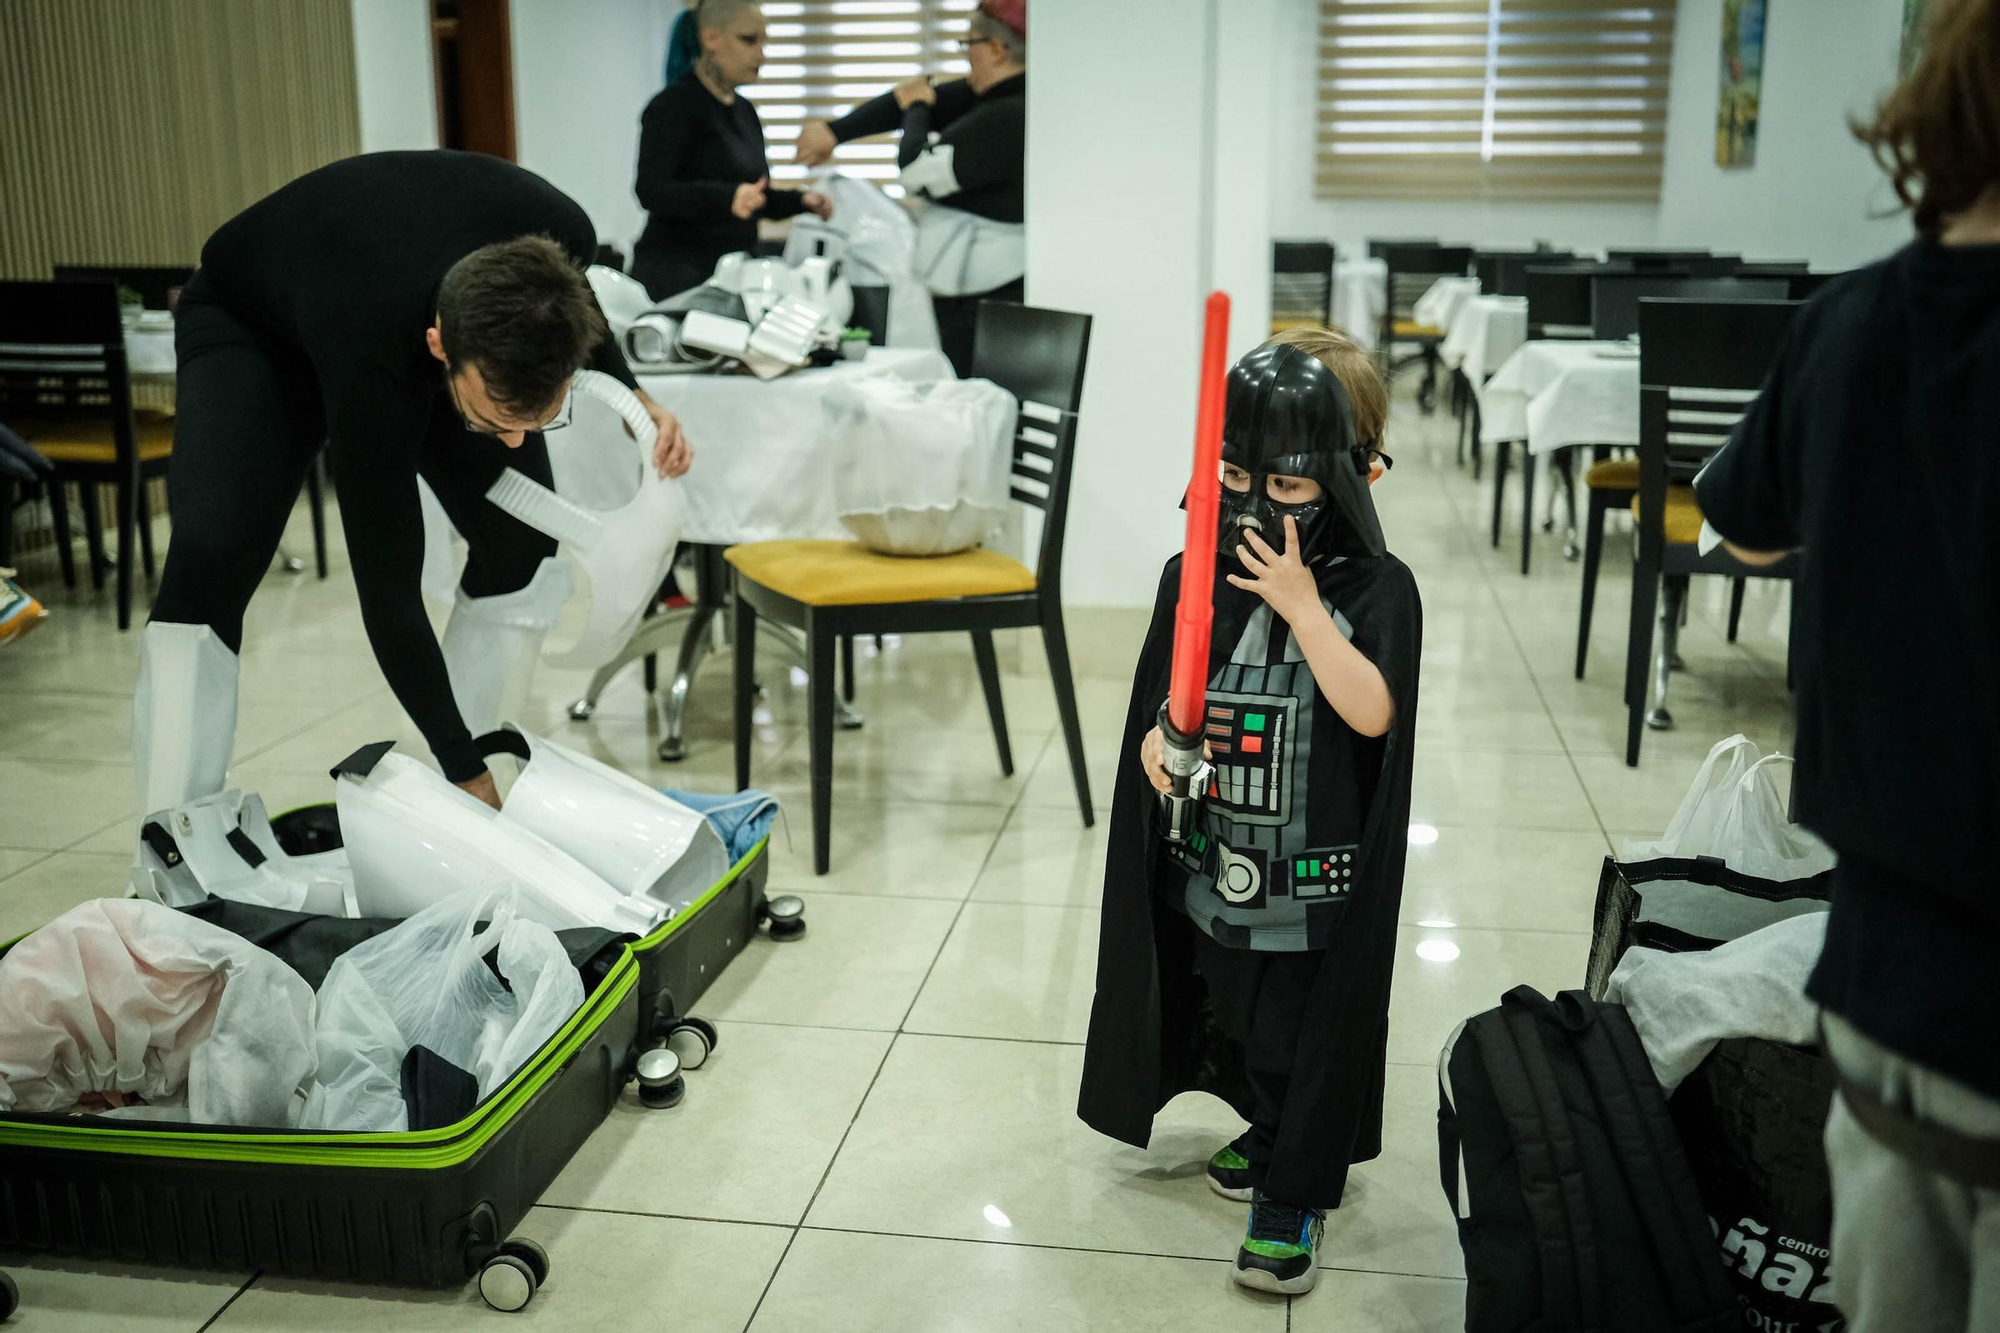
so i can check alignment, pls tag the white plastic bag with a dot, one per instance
(1693, 824)
(126, 997)
(875, 238)
(920, 469)
(429, 978)
(360, 1082)
(1736, 813)
(1755, 834)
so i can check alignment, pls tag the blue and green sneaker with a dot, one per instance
(1229, 1174)
(1278, 1251)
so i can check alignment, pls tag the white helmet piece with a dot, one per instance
(618, 520)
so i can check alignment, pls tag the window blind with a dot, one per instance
(1493, 99)
(822, 57)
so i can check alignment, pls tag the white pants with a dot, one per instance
(1913, 1251)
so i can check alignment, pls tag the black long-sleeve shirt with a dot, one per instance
(693, 153)
(984, 135)
(342, 266)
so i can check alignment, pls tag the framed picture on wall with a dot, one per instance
(1742, 82)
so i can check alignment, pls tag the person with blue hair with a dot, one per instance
(703, 176)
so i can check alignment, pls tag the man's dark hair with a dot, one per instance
(523, 313)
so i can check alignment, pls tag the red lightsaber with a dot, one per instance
(1187, 690)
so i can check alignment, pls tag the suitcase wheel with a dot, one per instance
(507, 1281)
(786, 915)
(692, 1039)
(537, 1258)
(10, 1298)
(660, 1083)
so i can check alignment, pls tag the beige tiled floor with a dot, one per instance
(885, 1139)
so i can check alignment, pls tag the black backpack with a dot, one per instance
(1576, 1209)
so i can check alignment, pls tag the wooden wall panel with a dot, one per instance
(130, 129)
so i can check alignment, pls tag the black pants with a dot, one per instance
(1259, 1000)
(248, 424)
(958, 321)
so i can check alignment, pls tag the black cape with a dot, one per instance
(1152, 1035)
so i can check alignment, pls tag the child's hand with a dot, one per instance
(1153, 758)
(1283, 581)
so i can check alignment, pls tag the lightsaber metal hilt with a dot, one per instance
(1187, 767)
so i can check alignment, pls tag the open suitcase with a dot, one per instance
(430, 1208)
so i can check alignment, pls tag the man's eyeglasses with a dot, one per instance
(556, 422)
(967, 43)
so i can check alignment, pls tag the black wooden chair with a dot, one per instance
(1701, 364)
(158, 287)
(1559, 308)
(1301, 284)
(836, 590)
(1500, 273)
(1413, 269)
(65, 387)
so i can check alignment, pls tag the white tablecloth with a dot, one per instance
(761, 470)
(1483, 333)
(1438, 306)
(150, 351)
(1555, 394)
(1360, 294)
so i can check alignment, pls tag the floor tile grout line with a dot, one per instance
(39, 855)
(772, 1280)
(892, 1032)
(832, 1158)
(823, 1229)
(945, 941)
(1507, 622)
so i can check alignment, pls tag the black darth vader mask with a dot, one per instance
(1286, 414)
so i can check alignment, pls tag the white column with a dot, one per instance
(1148, 183)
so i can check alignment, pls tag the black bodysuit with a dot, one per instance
(305, 324)
(693, 153)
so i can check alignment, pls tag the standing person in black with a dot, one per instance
(704, 179)
(964, 157)
(418, 314)
(1874, 449)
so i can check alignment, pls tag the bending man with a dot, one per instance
(419, 314)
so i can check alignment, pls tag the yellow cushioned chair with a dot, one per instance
(834, 591)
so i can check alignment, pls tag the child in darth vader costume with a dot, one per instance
(1252, 959)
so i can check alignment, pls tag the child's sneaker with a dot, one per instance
(19, 612)
(1229, 1174)
(1278, 1251)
